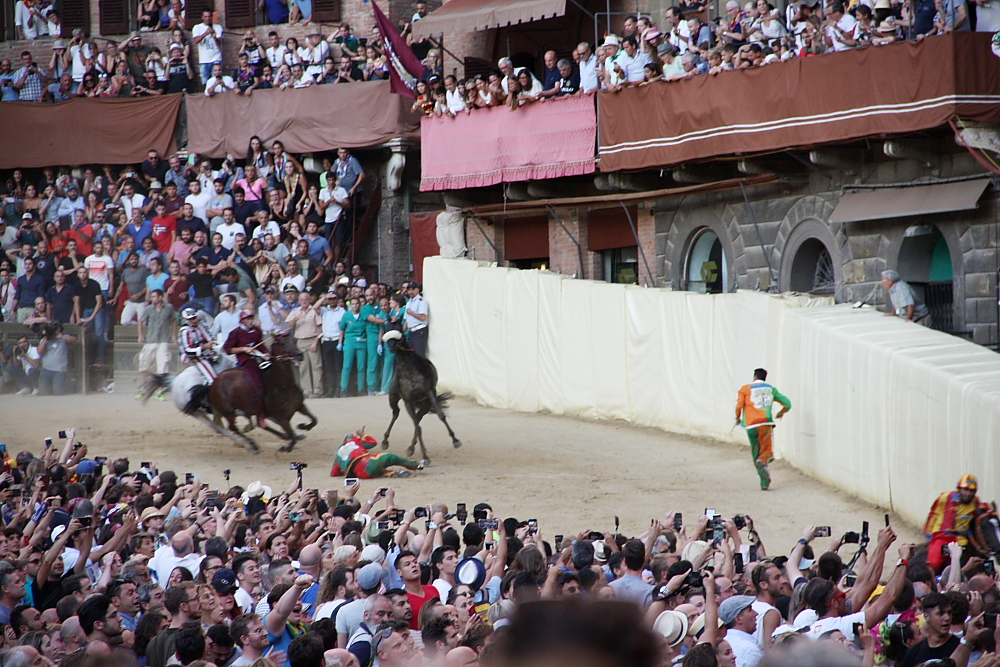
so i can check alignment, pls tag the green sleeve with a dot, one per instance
(781, 398)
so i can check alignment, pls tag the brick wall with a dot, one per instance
(646, 229)
(478, 239)
(563, 255)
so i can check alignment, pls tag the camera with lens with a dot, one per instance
(51, 330)
(694, 580)
(740, 521)
(298, 465)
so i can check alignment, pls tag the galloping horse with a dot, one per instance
(415, 382)
(232, 392)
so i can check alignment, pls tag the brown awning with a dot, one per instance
(526, 238)
(901, 202)
(460, 16)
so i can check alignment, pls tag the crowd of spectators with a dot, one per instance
(106, 562)
(194, 58)
(98, 248)
(685, 45)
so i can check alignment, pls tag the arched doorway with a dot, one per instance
(925, 263)
(706, 270)
(812, 269)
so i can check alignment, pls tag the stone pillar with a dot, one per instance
(391, 247)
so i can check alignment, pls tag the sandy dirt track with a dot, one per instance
(570, 474)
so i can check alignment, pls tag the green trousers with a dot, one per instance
(354, 352)
(372, 362)
(378, 463)
(388, 368)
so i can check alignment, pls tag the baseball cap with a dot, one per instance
(731, 607)
(247, 313)
(224, 581)
(86, 467)
(369, 577)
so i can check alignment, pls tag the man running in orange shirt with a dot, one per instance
(753, 408)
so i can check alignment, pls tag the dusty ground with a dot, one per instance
(569, 474)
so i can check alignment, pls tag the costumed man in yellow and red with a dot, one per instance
(953, 519)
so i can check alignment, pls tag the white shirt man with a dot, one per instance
(331, 320)
(28, 22)
(165, 559)
(270, 227)
(845, 23)
(336, 198)
(79, 53)
(316, 55)
(198, 199)
(418, 306)
(129, 202)
(209, 48)
(276, 56)
(219, 83)
(272, 313)
(101, 267)
(229, 230)
(588, 69)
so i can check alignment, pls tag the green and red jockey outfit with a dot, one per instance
(753, 406)
(354, 460)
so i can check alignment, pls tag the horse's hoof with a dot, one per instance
(423, 464)
(385, 444)
(248, 428)
(410, 450)
(286, 448)
(456, 443)
(306, 426)
(402, 473)
(252, 446)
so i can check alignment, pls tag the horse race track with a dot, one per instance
(568, 473)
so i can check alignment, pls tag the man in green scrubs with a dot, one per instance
(353, 340)
(374, 319)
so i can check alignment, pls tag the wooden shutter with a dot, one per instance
(327, 10)
(240, 13)
(192, 13)
(75, 14)
(113, 17)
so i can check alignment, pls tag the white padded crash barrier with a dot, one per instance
(888, 411)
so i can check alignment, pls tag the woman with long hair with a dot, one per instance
(258, 156)
(31, 201)
(55, 240)
(94, 204)
(211, 608)
(151, 624)
(295, 188)
(122, 81)
(276, 207)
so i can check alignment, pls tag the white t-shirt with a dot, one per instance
(229, 233)
(129, 203)
(443, 587)
(271, 228)
(31, 354)
(681, 30)
(326, 609)
(209, 49)
(244, 600)
(226, 85)
(350, 616)
(334, 209)
(100, 270)
(843, 623)
(761, 608)
(276, 56)
(22, 14)
(847, 23)
(79, 53)
(199, 203)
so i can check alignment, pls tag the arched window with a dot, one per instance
(706, 270)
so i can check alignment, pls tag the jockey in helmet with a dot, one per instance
(196, 345)
(247, 342)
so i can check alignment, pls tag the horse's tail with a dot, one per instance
(442, 399)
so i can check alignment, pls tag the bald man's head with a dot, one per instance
(182, 544)
(462, 656)
(340, 657)
(310, 556)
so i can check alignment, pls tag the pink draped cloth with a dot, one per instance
(496, 145)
